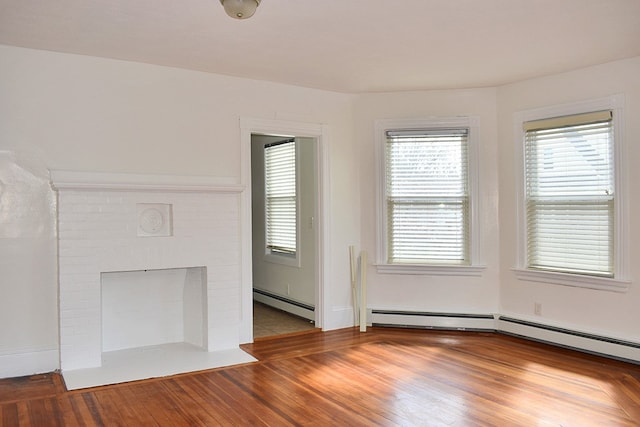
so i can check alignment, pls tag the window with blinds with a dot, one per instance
(569, 194)
(280, 197)
(427, 197)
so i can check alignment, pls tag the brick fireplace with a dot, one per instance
(120, 235)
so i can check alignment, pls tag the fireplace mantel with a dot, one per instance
(100, 216)
(73, 180)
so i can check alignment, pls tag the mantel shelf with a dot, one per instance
(71, 180)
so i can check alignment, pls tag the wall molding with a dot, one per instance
(73, 180)
(431, 320)
(283, 303)
(600, 345)
(29, 363)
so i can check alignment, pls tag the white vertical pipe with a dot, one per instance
(363, 291)
(352, 259)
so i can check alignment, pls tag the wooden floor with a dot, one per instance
(384, 377)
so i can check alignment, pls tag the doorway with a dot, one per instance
(284, 188)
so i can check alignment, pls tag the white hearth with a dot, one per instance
(149, 274)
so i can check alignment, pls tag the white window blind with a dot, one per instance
(569, 173)
(280, 197)
(427, 196)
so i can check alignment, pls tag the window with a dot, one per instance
(280, 198)
(427, 217)
(569, 189)
(572, 213)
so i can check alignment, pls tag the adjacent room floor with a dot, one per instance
(269, 321)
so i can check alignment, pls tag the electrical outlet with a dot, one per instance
(537, 309)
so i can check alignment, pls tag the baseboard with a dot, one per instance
(586, 342)
(431, 320)
(21, 364)
(303, 310)
(614, 348)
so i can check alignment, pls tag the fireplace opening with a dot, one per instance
(153, 307)
(154, 323)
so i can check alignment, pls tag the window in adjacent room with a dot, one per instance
(280, 198)
(426, 217)
(571, 199)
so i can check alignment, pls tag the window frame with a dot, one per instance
(620, 280)
(473, 268)
(274, 256)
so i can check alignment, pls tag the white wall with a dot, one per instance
(89, 114)
(422, 292)
(602, 312)
(28, 273)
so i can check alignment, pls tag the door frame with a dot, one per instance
(249, 126)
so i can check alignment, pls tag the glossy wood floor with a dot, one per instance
(345, 378)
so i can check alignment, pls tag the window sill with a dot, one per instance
(575, 280)
(431, 270)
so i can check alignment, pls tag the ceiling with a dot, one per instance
(352, 46)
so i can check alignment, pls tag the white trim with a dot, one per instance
(284, 305)
(284, 128)
(575, 280)
(473, 123)
(431, 270)
(29, 363)
(249, 126)
(620, 282)
(567, 339)
(433, 320)
(72, 180)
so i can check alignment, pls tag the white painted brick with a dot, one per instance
(97, 233)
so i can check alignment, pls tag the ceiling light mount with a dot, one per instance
(240, 9)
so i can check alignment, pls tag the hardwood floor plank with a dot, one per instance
(139, 405)
(625, 392)
(240, 401)
(385, 377)
(518, 388)
(332, 380)
(29, 387)
(163, 409)
(196, 407)
(206, 390)
(89, 404)
(69, 413)
(293, 399)
(9, 414)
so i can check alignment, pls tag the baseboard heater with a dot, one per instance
(627, 351)
(283, 303)
(614, 348)
(432, 320)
